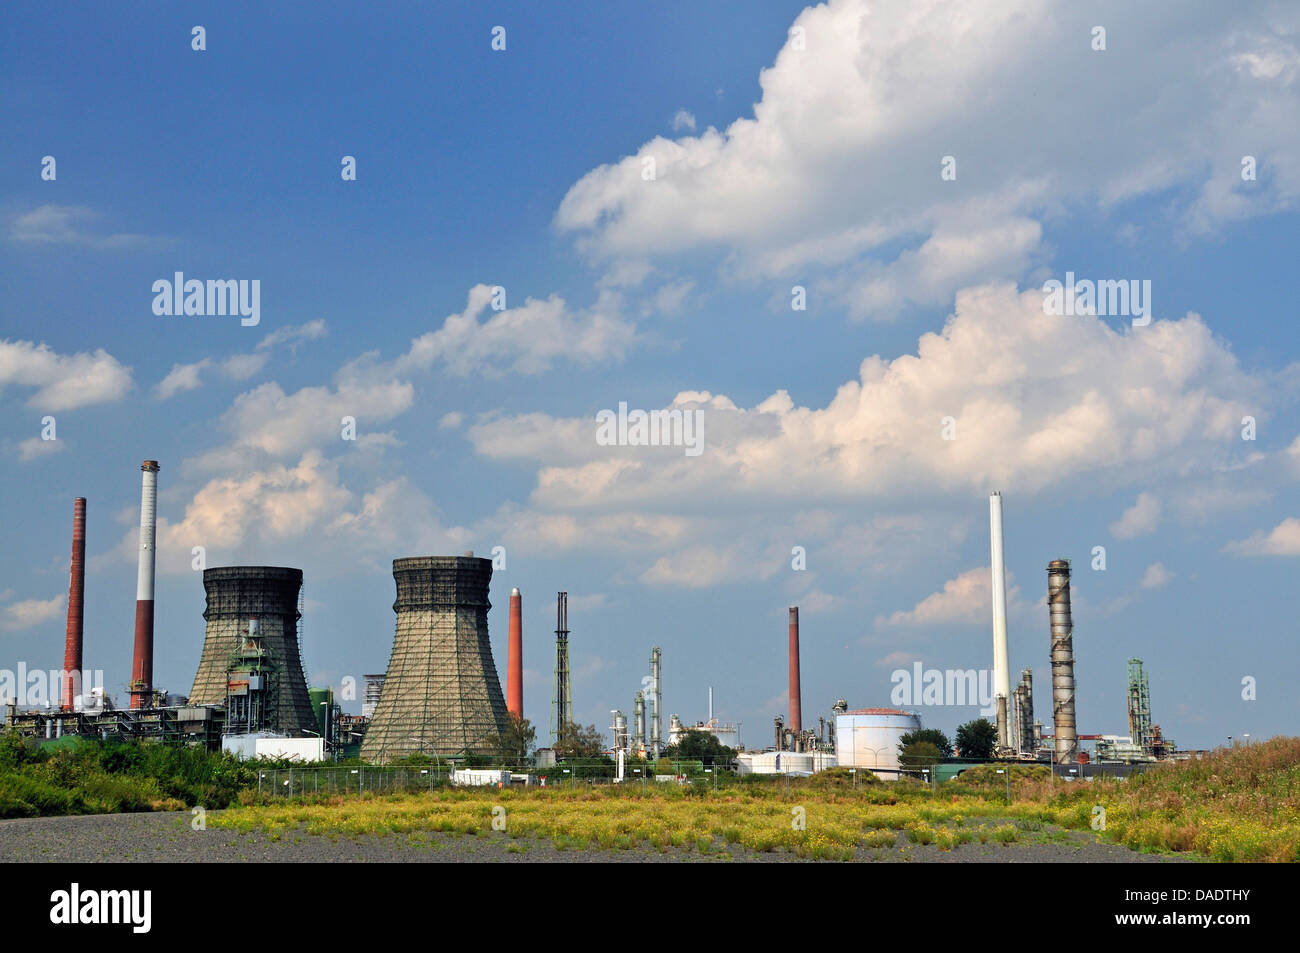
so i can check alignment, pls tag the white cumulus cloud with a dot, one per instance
(62, 381)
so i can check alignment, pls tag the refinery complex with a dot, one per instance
(440, 695)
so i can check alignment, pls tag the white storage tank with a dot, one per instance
(868, 738)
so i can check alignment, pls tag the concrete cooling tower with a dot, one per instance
(269, 594)
(441, 695)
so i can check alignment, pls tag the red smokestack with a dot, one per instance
(515, 660)
(796, 719)
(76, 606)
(142, 664)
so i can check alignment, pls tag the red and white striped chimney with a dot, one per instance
(142, 663)
(515, 657)
(76, 608)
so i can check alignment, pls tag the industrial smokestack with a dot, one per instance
(656, 698)
(1001, 665)
(562, 694)
(142, 663)
(76, 607)
(796, 720)
(638, 720)
(515, 657)
(1058, 604)
(1026, 710)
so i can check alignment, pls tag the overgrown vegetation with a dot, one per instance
(1239, 804)
(1242, 804)
(92, 777)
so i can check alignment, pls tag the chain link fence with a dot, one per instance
(360, 780)
(328, 781)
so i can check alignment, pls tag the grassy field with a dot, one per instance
(1239, 805)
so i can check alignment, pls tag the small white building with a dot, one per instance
(267, 745)
(798, 763)
(481, 777)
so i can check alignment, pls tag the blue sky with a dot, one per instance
(523, 168)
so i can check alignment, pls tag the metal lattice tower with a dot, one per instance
(441, 695)
(269, 594)
(252, 685)
(562, 698)
(1139, 705)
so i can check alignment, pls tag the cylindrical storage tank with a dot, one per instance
(868, 738)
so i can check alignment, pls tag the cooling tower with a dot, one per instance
(441, 695)
(269, 594)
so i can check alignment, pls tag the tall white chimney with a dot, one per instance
(142, 660)
(1001, 665)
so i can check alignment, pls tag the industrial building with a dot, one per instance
(441, 694)
(796, 763)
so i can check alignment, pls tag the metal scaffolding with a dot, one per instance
(252, 686)
(1139, 706)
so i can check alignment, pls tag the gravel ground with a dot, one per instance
(143, 838)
